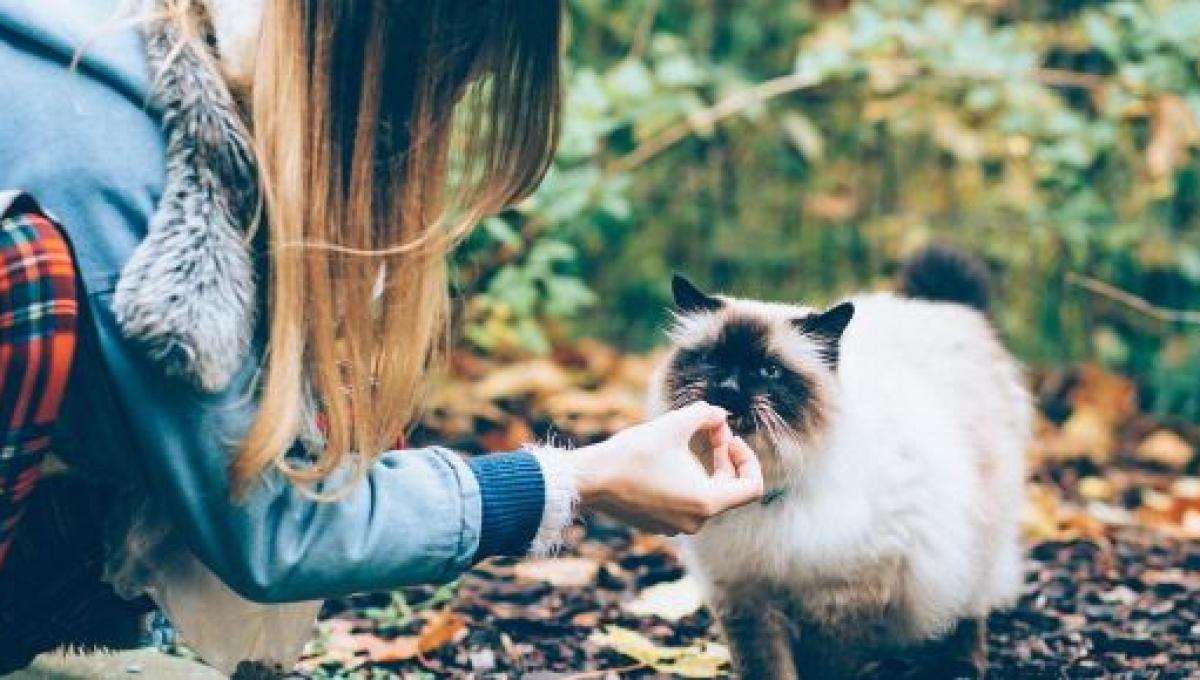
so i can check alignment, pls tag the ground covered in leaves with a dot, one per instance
(1112, 580)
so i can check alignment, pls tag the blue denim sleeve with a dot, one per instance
(418, 516)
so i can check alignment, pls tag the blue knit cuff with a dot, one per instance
(514, 496)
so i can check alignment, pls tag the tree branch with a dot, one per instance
(706, 118)
(1131, 301)
(738, 102)
(641, 38)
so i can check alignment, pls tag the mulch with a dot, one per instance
(1112, 585)
(1127, 608)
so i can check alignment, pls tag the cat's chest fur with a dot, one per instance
(835, 545)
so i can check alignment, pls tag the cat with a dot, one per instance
(892, 430)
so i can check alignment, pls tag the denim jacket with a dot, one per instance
(87, 146)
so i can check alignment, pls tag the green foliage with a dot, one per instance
(1050, 137)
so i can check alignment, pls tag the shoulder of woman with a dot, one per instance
(89, 31)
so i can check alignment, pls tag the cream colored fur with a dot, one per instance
(904, 512)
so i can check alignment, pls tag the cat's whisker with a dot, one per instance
(784, 430)
(763, 412)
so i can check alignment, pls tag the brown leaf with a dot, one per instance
(594, 357)
(584, 413)
(445, 627)
(1086, 434)
(536, 377)
(512, 435)
(1096, 489)
(391, 651)
(1166, 448)
(559, 571)
(1048, 519)
(1112, 397)
(646, 544)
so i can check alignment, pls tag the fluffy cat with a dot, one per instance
(892, 430)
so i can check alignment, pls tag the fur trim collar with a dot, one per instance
(187, 294)
(236, 27)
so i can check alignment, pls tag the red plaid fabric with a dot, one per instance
(38, 312)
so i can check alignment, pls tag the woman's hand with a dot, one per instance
(648, 476)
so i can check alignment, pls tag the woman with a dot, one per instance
(229, 218)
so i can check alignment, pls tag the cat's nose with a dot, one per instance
(730, 383)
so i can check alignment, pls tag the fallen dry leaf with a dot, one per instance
(671, 601)
(535, 377)
(1166, 448)
(335, 645)
(445, 627)
(646, 544)
(397, 649)
(559, 571)
(704, 660)
(1111, 396)
(1046, 518)
(1086, 434)
(1096, 489)
(597, 358)
(510, 436)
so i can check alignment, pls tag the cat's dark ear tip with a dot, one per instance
(689, 297)
(830, 324)
(845, 309)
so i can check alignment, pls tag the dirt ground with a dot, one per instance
(1112, 574)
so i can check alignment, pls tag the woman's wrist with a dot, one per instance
(591, 472)
(561, 499)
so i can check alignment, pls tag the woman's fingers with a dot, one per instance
(744, 460)
(723, 467)
(746, 485)
(720, 435)
(698, 416)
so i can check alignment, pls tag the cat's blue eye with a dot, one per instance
(770, 371)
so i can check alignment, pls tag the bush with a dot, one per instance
(797, 151)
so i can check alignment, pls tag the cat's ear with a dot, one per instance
(827, 328)
(689, 298)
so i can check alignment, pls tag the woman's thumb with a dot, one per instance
(698, 415)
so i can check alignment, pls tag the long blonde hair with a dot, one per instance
(384, 131)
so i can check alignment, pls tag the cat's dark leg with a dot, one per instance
(818, 654)
(757, 635)
(960, 655)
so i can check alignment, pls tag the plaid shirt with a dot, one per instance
(38, 312)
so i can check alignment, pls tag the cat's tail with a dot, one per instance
(946, 274)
